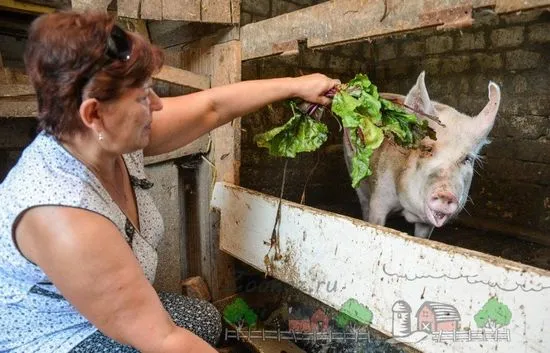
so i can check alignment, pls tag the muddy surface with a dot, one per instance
(271, 304)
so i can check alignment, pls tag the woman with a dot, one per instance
(78, 230)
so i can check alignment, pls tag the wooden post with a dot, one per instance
(226, 69)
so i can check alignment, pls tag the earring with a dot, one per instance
(100, 136)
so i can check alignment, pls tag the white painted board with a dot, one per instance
(336, 258)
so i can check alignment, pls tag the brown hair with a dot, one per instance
(62, 50)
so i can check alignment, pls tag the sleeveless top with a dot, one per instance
(34, 316)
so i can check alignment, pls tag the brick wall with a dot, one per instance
(513, 185)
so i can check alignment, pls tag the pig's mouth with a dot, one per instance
(437, 218)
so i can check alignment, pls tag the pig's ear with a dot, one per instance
(418, 98)
(486, 118)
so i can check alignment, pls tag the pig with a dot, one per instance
(429, 185)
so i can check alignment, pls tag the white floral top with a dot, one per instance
(34, 317)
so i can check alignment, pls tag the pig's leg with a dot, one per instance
(379, 209)
(363, 193)
(423, 230)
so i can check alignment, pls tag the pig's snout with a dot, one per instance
(443, 201)
(441, 206)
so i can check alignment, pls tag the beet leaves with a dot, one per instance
(366, 117)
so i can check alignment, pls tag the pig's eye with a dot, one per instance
(469, 159)
(426, 151)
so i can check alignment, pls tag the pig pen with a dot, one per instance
(510, 191)
(508, 215)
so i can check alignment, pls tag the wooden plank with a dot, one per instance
(14, 108)
(226, 69)
(134, 25)
(151, 9)
(334, 22)
(181, 10)
(182, 77)
(16, 90)
(95, 5)
(236, 11)
(503, 6)
(340, 21)
(216, 11)
(384, 269)
(128, 8)
(199, 146)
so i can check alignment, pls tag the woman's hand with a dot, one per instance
(312, 88)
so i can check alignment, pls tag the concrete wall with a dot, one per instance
(513, 185)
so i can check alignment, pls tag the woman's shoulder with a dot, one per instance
(47, 174)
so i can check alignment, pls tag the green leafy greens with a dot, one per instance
(367, 118)
(300, 134)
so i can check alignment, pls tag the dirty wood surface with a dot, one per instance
(181, 10)
(99, 5)
(18, 108)
(199, 146)
(226, 69)
(210, 11)
(16, 90)
(217, 11)
(182, 77)
(378, 266)
(128, 8)
(343, 21)
(151, 9)
(503, 6)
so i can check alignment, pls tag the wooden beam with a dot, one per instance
(226, 60)
(226, 69)
(182, 77)
(504, 6)
(181, 10)
(18, 108)
(216, 11)
(348, 20)
(16, 90)
(21, 6)
(128, 8)
(199, 146)
(335, 259)
(95, 5)
(335, 22)
(236, 12)
(151, 9)
(134, 25)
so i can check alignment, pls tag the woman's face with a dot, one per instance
(127, 121)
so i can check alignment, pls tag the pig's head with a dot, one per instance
(435, 182)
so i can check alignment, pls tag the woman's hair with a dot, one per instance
(64, 49)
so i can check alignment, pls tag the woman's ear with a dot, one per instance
(89, 114)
